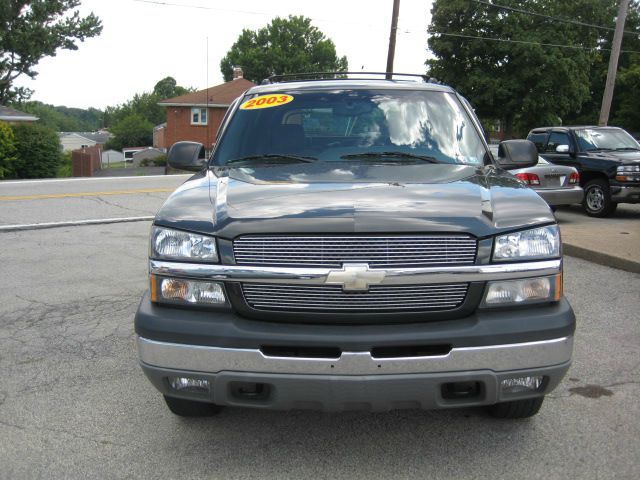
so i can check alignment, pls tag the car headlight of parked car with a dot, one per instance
(176, 245)
(628, 173)
(169, 244)
(534, 244)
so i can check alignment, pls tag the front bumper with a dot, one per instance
(622, 194)
(562, 196)
(197, 358)
(355, 380)
(235, 354)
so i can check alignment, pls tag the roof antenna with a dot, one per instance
(206, 126)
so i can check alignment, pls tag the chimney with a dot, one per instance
(237, 73)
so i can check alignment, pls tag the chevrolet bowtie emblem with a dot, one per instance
(354, 277)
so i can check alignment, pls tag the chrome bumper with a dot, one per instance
(386, 276)
(629, 194)
(204, 359)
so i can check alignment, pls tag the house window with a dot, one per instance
(198, 116)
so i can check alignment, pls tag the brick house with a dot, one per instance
(196, 116)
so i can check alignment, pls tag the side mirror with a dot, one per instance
(187, 156)
(562, 149)
(517, 154)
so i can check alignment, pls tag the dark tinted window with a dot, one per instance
(555, 139)
(539, 139)
(328, 125)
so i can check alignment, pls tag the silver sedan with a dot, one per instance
(557, 184)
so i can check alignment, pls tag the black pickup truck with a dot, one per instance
(607, 158)
(352, 244)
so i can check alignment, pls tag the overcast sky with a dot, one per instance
(144, 41)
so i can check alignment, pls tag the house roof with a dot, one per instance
(219, 96)
(12, 115)
(97, 137)
(128, 149)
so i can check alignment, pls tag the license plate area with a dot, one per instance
(553, 180)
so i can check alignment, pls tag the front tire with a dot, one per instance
(190, 408)
(517, 408)
(597, 199)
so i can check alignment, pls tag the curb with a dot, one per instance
(76, 223)
(601, 258)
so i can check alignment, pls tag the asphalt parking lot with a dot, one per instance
(74, 403)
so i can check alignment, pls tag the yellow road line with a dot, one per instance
(84, 194)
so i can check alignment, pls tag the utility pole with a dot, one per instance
(613, 64)
(392, 38)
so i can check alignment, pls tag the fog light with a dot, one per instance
(186, 384)
(521, 384)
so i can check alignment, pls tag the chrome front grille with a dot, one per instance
(377, 251)
(331, 298)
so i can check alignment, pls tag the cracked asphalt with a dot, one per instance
(74, 403)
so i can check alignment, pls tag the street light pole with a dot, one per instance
(392, 38)
(613, 64)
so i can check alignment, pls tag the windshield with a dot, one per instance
(351, 125)
(605, 139)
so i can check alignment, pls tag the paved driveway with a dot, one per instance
(74, 403)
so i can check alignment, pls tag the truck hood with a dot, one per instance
(625, 157)
(339, 198)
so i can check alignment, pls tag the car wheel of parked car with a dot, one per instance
(516, 408)
(597, 199)
(190, 408)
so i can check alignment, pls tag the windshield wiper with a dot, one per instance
(627, 148)
(272, 156)
(412, 156)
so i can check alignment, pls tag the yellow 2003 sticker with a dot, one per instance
(266, 101)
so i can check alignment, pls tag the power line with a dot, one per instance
(550, 17)
(248, 12)
(575, 47)
(200, 7)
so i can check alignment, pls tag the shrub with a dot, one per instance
(7, 150)
(159, 161)
(132, 131)
(66, 167)
(38, 151)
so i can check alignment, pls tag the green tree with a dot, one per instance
(131, 131)
(37, 150)
(7, 149)
(33, 29)
(168, 88)
(286, 45)
(522, 84)
(146, 104)
(64, 119)
(624, 99)
(627, 113)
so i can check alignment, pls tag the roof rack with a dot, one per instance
(319, 76)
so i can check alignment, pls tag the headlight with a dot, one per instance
(523, 292)
(541, 242)
(628, 173)
(177, 245)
